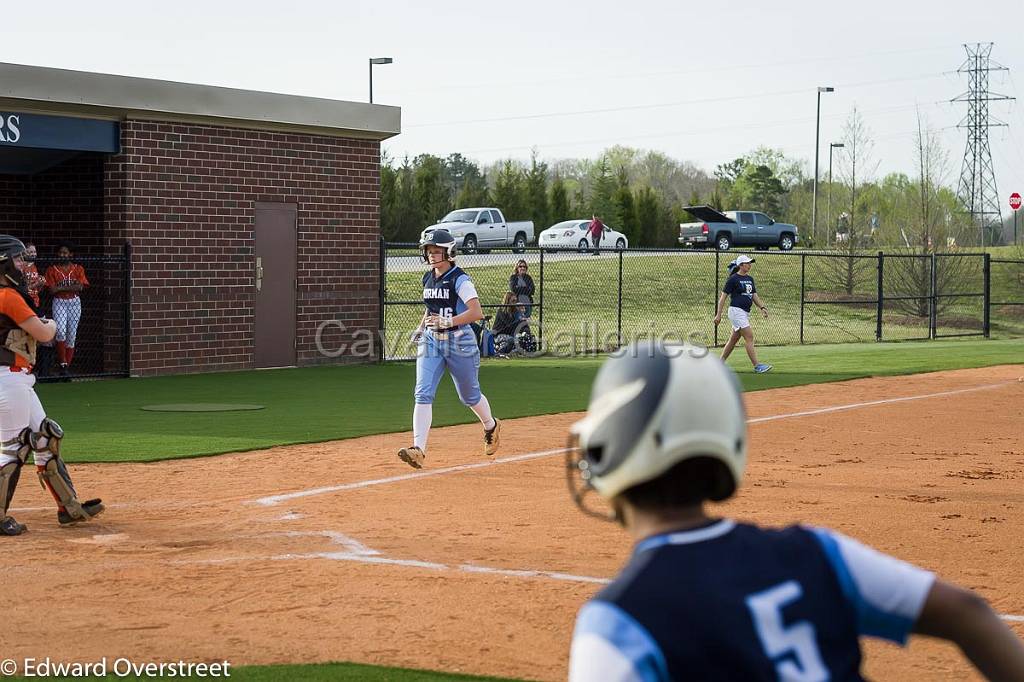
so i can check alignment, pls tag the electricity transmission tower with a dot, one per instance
(977, 190)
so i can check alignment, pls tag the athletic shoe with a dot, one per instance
(412, 456)
(91, 507)
(491, 438)
(761, 368)
(8, 526)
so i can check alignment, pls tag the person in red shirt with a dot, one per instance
(596, 231)
(24, 426)
(33, 280)
(66, 280)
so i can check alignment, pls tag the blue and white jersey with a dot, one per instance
(733, 601)
(448, 294)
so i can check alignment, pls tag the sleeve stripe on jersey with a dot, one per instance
(886, 593)
(598, 619)
(466, 289)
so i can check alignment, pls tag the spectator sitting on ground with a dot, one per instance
(508, 316)
(511, 331)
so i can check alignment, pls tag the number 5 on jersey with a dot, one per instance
(783, 643)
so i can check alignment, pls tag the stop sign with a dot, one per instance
(1015, 201)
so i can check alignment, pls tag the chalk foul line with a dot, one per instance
(359, 553)
(272, 500)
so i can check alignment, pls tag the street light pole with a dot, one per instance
(828, 214)
(374, 61)
(817, 143)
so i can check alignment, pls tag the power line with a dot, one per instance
(662, 105)
(688, 132)
(680, 72)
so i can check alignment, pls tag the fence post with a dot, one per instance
(618, 335)
(933, 295)
(381, 294)
(128, 308)
(987, 274)
(881, 290)
(715, 297)
(803, 265)
(540, 323)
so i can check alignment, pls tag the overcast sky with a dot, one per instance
(703, 82)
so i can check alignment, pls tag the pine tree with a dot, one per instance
(509, 193)
(408, 222)
(694, 198)
(647, 218)
(624, 207)
(430, 190)
(536, 190)
(560, 209)
(473, 193)
(601, 203)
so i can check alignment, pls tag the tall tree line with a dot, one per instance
(643, 194)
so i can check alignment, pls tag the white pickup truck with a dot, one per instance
(484, 228)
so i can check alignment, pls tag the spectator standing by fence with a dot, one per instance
(521, 284)
(66, 281)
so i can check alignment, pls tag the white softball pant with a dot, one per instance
(67, 313)
(19, 407)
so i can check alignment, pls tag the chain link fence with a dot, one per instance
(98, 323)
(588, 304)
(1006, 297)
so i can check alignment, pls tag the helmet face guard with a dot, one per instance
(577, 477)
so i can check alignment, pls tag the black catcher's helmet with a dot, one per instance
(10, 248)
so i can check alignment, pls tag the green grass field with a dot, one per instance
(677, 291)
(105, 422)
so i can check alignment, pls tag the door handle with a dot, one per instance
(259, 273)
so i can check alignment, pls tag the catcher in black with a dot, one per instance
(24, 426)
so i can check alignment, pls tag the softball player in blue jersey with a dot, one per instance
(712, 599)
(742, 292)
(445, 340)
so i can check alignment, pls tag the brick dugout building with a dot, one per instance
(251, 217)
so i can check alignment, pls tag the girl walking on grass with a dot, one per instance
(742, 292)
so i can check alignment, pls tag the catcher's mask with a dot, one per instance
(651, 407)
(442, 238)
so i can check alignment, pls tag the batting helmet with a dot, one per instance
(442, 238)
(11, 248)
(652, 407)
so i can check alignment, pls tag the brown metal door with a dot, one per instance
(274, 266)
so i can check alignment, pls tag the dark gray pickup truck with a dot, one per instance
(735, 228)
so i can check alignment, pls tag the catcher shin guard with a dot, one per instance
(54, 477)
(10, 473)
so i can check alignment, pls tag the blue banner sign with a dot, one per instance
(38, 131)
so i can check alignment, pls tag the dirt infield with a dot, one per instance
(338, 551)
